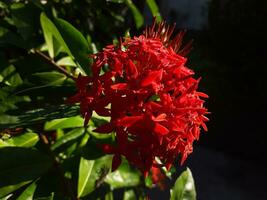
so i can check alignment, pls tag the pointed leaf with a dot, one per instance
(73, 135)
(153, 7)
(28, 193)
(11, 188)
(70, 122)
(92, 173)
(76, 43)
(66, 61)
(138, 18)
(184, 187)
(48, 28)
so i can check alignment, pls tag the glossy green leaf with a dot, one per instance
(76, 43)
(28, 193)
(129, 195)
(68, 137)
(19, 166)
(124, 176)
(66, 61)
(92, 174)
(184, 187)
(50, 31)
(154, 9)
(48, 28)
(138, 18)
(70, 122)
(24, 140)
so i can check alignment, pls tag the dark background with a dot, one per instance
(230, 55)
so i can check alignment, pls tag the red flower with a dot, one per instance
(158, 177)
(155, 109)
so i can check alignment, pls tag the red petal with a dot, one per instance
(131, 70)
(204, 126)
(129, 121)
(118, 66)
(201, 94)
(160, 118)
(119, 86)
(102, 111)
(116, 161)
(161, 130)
(106, 128)
(87, 117)
(152, 77)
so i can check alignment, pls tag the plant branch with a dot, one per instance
(52, 62)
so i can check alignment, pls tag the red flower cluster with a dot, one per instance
(143, 85)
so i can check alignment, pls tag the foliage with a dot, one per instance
(45, 151)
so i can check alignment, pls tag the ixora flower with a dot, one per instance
(151, 97)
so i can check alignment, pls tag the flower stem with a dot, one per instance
(52, 62)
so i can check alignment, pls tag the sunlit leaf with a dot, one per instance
(124, 176)
(76, 43)
(184, 187)
(154, 9)
(70, 122)
(11, 188)
(66, 61)
(24, 140)
(92, 174)
(73, 135)
(28, 193)
(47, 27)
(138, 18)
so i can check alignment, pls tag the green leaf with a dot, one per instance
(109, 196)
(24, 140)
(129, 195)
(38, 116)
(68, 137)
(154, 9)
(19, 166)
(124, 176)
(138, 18)
(66, 61)
(70, 122)
(11, 188)
(48, 78)
(28, 193)
(92, 174)
(116, 1)
(76, 43)
(48, 28)
(184, 187)
(71, 40)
